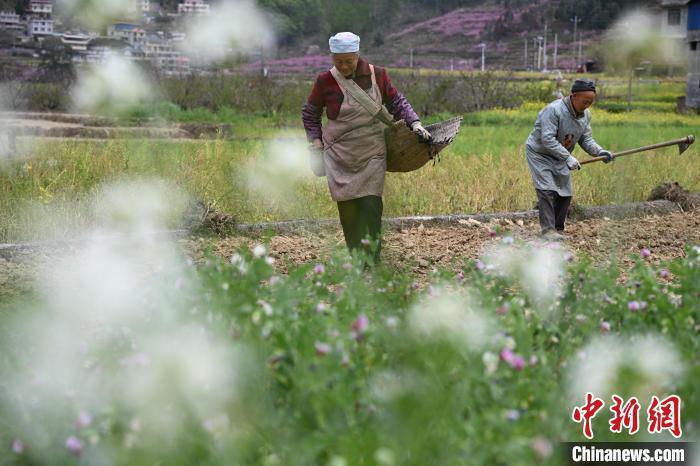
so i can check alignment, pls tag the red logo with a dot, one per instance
(661, 415)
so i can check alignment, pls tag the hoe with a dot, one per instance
(682, 143)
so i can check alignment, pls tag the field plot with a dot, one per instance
(129, 336)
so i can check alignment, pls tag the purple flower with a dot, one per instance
(663, 273)
(518, 362)
(515, 361)
(359, 326)
(542, 447)
(503, 309)
(322, 349)
(508, 240)
(507, 355)
(634, 306)
(319, 269)
(512, 415)
(605, 326)
(645, 253)
(84, 419)
(18, 446)
(479, 265)
(74, 444)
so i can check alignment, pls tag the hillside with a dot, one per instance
(447, 34)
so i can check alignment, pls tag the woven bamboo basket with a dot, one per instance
(405, 152)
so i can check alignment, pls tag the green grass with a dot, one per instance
(483, 171)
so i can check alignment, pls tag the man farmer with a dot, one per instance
(559, 127)
(352, 142)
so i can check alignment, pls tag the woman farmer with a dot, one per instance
(352, 142)
(559, 126)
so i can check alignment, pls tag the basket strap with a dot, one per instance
(376, 110)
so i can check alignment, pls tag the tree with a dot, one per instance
(56, 62)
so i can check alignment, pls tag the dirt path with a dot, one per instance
(421, 248)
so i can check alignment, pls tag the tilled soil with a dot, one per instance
(420, 249)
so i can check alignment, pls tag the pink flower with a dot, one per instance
(322, 349)
(605, 326)
(492, 233)
(347, 266)
(479, 265)
(359, 326)
(74, 444)
(515, 361)
(319, 268)
(503, 309)
(518, 362)
(18, 446)
(542, 447)
(507, 355)
(634, 306)
(460, 275)
(364, 242)
(645, 253)
(663, 273)
(84, 419)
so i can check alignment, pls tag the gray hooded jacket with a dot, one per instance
(557, 131)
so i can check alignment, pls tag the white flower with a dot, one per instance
(238, 261)
(653, 358)
(455, 315)
(259, 250)
(266, 307)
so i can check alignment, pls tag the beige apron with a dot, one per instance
(354, 148)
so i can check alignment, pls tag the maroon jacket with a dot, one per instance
(327, 93)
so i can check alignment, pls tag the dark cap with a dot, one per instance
(583, 85)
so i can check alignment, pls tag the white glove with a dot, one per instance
(572, 163)
(423, 134)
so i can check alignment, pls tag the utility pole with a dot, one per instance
(534, 53)
(544, 49)
(483, 56)
(410, 59)
(575, 20)
(539, 53)
(580, 55)
(525, 62)
(556, 49)
(263, 70)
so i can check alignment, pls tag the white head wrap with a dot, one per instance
(344, 42)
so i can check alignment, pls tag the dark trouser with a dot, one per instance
(362, 218)
(553, 209)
